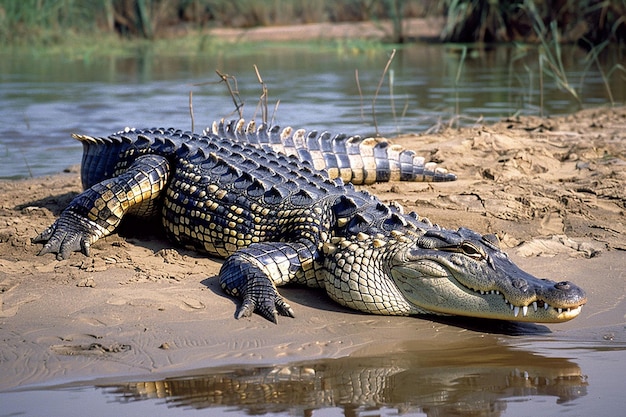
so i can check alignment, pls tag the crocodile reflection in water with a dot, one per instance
(474, 376)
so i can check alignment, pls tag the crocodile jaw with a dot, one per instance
(431, 287)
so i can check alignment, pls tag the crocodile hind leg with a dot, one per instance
(97, 211)
(253, 273)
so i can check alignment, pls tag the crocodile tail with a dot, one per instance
(352, 158)
(100, 156)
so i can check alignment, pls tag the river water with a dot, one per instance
(485, 375)
(44, 98)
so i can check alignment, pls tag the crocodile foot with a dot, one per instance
(241, 278)
(267, 306)
(70, 233)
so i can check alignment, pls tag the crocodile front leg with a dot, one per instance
(253, 273)
(97, 211)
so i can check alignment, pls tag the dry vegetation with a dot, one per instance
(50, 21)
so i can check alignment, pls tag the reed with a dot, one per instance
(592, 58)
(551, 63)
(476, 21)
(457, 79)
(501, 21)
(380, 84)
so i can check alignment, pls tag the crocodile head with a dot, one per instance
(464, 273)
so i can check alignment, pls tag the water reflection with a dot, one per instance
(476, 378)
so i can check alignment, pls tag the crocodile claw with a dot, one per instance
(268, 307)
(62, 243)
(242, 276)
(68, 234)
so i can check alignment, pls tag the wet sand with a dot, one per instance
(553, 189)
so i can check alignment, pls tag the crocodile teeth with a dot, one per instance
(546, 306)
(524, 311)
(535, 305)
(560, 310)
(515, 311)
(495, 292)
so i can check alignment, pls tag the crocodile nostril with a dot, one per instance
(563, 285)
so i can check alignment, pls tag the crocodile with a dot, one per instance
(276, 219)
(354, 159)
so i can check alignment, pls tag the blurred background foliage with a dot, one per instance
(47, 22)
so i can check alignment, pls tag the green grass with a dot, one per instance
(85, 47)
(47, 22)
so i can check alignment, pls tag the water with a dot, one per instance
(483, 376)
(46, 98)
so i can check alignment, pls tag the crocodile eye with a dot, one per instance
(472, 251)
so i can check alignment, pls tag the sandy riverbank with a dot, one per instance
(554, 189)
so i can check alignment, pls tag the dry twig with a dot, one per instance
(234, 92)
(191, 110)
(380, 84)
